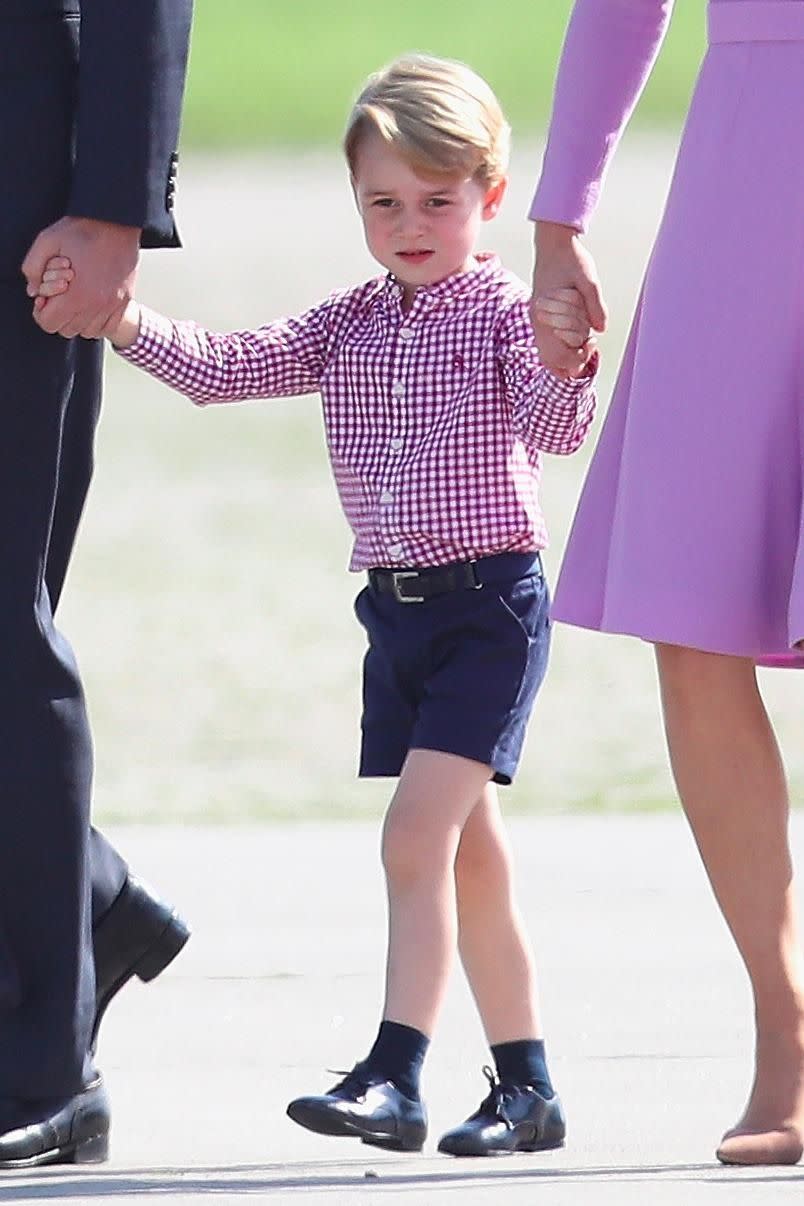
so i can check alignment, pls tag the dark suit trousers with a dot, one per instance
(49, 401)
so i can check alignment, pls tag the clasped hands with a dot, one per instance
(563, 267)
(81, 274)
(101, 259)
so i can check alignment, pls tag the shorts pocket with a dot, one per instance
(527, 602)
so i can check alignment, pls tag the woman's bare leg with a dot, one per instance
(732, 784)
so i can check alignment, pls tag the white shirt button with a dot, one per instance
(396, 443)
(397, 389)
(394, 550)
(386, 497)
(406, 333)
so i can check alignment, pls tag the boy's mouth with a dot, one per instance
(414, 257)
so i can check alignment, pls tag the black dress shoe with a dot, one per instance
(365, 1107)
(139, 936)
(71, 1131)
(513, 1118)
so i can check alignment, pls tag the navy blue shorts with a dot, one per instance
(458, 672)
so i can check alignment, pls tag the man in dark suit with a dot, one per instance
(90, 96)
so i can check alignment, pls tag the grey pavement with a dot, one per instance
(645, 1005)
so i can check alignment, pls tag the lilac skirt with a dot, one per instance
(689, 528)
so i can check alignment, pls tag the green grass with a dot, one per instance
(269, 74)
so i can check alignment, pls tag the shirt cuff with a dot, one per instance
(156, 333)
(565, 210)
(568, 389)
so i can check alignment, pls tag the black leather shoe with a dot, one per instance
(513, 1118)
(365, 1107)
(72, 1131)
(139, 936)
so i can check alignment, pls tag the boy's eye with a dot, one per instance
(383, 202)
(438, 202)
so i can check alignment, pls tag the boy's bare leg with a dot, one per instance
(732, 784)
(434, 797)
(494, 948)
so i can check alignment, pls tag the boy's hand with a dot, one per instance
(562, 262)
(564, 311)
(56, 278)
(104, 256)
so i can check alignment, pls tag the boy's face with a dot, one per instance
(422, 229)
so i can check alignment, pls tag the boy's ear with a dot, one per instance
(353, 183)
(493, 199)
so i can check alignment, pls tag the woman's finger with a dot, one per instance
(596, 307)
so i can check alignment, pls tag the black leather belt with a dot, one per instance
(418, 585)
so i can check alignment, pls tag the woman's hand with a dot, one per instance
(564, 313)
(562, 262)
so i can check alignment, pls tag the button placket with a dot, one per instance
(398, 392)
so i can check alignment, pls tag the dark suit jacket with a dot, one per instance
(132, 63)
(90, 102)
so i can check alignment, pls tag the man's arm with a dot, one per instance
(132, 64)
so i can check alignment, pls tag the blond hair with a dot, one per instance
(438, 114)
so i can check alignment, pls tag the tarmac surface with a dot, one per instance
(646, 1011)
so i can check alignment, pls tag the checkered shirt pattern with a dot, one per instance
(435, 419)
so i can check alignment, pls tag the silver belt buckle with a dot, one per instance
(396, 576)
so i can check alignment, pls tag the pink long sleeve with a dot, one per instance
(609, 50)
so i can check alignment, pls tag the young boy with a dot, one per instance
(436, 412)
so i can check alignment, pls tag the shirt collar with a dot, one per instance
(452, 288)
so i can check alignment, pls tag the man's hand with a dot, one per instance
(562, 262)
(57, 278)
(103, 256)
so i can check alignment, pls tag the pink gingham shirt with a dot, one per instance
(435, 419)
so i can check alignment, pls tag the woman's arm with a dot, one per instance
(609, 50)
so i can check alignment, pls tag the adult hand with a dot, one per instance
(104, 257)
(562, 262)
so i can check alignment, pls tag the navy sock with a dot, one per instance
(398, 1054)
(523, 1063)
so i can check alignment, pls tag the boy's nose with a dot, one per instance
(410, 223)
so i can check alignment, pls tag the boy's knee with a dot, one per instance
(408, 855)
(481, 862)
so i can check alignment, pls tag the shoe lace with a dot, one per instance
(355, 1082)
(494, 1105)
